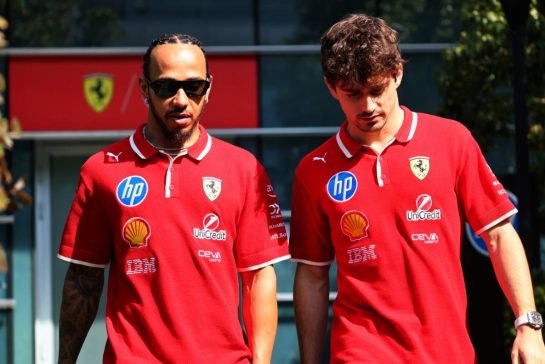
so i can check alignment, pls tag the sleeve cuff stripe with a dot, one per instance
(270, 262)
(70, 260)
(310, 262)
(497, 221)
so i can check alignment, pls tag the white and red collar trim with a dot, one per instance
(145, 150)
(349, 147)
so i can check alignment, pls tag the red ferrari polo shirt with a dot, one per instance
(175, 232)
(393, 223)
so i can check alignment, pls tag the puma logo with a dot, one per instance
(114, 156)
(320, 158)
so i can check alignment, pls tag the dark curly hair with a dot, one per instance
(359, 47)
(170, 39)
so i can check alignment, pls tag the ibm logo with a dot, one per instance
(342, 186)
(361, 254)
(141, 266)
(132, 191)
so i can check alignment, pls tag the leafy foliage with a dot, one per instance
(11, 190)
(477, 80)
(477, 85)
(403, 15)
(63, 23)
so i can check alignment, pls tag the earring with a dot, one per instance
(146, 101)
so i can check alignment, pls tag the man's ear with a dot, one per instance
(399, 75)
(208, 91)
(332, 89)
(144, 89)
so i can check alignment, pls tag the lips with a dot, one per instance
(369, 119)
(179, 117)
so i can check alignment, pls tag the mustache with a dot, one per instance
(366, 114)
(175, 110)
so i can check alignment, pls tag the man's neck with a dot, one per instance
(156, 137)
(379, 139)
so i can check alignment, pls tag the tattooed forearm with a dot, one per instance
(80, 298)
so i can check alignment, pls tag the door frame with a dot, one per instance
(44, 327)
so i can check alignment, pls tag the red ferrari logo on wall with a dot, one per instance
(102, 92)
(98, 89)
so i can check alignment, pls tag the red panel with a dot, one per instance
(47, 94)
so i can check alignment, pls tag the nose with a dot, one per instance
(368, 104)
(180, 98)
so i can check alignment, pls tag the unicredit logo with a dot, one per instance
(423, 210)
(208, 232)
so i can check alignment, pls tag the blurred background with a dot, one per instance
(69, 88)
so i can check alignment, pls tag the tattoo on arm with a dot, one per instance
(80, 299)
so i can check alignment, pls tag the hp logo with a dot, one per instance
(132, 191)
(342, 186)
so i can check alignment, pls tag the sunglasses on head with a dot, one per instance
(167, 87)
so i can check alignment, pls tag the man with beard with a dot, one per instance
(177, 215)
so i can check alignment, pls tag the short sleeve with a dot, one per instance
(484, 199)
(86, 238)
(261, 233)
(310, 241)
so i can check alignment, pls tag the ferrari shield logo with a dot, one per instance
(98, 89)
(420, 166)
(212, 187)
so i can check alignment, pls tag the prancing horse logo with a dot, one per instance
(212, 187)
(420, 166)
(98, 89)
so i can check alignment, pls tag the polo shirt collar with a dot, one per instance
(145, 150)
(349, 147)
(408, 128)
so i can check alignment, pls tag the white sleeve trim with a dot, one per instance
(497, 221)
(271, 262)
(93, 265)
(310, 262)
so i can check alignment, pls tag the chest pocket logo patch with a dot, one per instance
(342, 186)
(420, 166)
(212, 187)
(132, 191)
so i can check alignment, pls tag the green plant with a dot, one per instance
(477, 86)
(11, 190)
(477, 81)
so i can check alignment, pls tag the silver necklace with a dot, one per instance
(167, 150)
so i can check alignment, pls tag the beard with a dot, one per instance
(176, 137)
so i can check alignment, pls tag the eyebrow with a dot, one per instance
(373, 87)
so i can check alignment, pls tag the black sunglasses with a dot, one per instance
(167, 87)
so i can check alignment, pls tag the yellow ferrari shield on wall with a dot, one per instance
(98, 89)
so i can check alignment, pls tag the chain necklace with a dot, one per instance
(171, 151)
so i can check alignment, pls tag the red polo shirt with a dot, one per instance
(175, 232)
(393, 223)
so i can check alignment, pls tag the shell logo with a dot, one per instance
(354, 224)
(136, 232)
